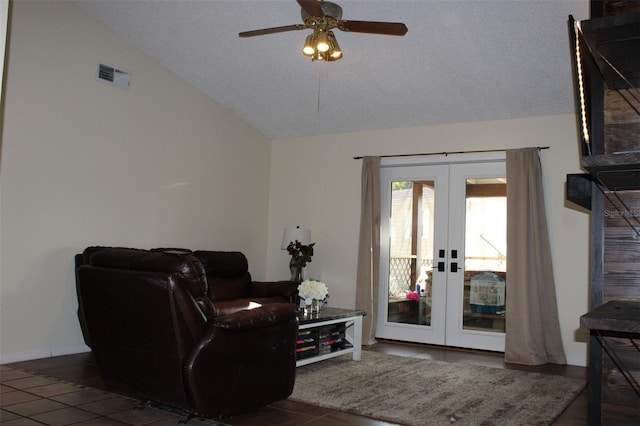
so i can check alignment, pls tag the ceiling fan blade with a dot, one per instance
(312, 7)
(272, 30)
(385, 28)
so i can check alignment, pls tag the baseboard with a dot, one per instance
(578, 362)
(43, 353)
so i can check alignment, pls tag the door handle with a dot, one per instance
(454, 267)
(440, 267)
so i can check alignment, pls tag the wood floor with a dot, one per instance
(28, 398)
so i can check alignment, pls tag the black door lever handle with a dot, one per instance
(440, 267)
(454, 267)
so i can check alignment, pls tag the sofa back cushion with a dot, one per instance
(184, 264)
(227, 274)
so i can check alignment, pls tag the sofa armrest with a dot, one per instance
(244, 361)
(256, 318)
(263, 289)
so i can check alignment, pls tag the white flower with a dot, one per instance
(313, 289)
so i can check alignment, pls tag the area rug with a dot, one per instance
(417, 392)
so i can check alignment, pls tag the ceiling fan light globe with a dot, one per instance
(309, 46)
(323, 41)
(334, 49)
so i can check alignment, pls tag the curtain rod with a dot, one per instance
(444, 153)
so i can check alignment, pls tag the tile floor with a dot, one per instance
(67, 390)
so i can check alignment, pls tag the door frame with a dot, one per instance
(385, 329)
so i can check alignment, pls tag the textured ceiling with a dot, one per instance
(461, 61)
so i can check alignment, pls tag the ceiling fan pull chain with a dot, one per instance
(319, 79)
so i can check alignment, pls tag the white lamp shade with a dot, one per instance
(292, 234)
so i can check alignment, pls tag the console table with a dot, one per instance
(623, 318)
(332, 332)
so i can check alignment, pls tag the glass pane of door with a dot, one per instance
(485, 261)
(411, 235)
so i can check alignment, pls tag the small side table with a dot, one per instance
(348, 326)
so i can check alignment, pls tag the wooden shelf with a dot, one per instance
(616, 172)
(607, 74)
(621, 316)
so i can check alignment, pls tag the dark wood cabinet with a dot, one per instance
(606, 53)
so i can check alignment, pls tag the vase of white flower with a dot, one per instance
(315, 306)
(313, 293)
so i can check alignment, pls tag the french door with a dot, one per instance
(443, 252)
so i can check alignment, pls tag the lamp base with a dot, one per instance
(296, 272)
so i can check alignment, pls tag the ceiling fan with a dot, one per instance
(322, 17)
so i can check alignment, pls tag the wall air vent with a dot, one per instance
(113, 76)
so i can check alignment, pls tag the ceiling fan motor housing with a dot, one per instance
(329, 9)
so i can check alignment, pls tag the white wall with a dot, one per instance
(85, 163)
(315, 183)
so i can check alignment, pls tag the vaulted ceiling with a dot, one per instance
(461, 60)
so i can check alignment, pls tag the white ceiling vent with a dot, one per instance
(113, 76)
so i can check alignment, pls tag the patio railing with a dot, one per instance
(400, 279)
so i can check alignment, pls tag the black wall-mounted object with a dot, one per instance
(578, 189)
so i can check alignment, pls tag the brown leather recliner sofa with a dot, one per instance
(187, 329)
